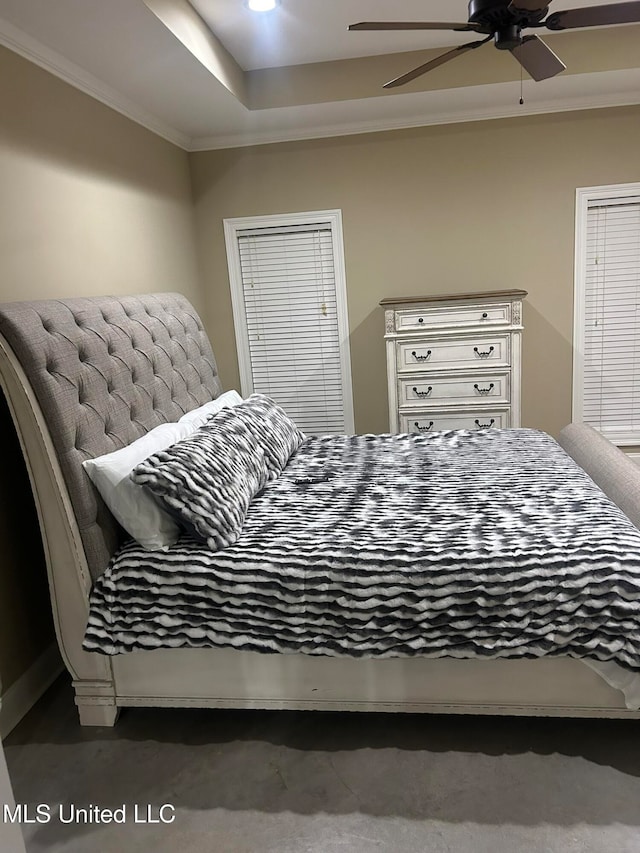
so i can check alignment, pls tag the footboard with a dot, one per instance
(607, 465)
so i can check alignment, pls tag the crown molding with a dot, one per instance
(19, 42)
(268, 137)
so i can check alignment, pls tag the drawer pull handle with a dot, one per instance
(423, 428)
(423, 393)
(485, 426)
(484, 315)
(421, 357)
(483, 353)
(484, 391)
(420, 319)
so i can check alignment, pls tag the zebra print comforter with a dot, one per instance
(464, 544)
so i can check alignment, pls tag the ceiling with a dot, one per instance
(211, 74)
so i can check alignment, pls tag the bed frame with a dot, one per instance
(85, 376)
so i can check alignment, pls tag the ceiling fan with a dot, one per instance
(503, 21)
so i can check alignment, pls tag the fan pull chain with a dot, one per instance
(521, 91)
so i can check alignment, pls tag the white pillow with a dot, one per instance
(198, 417)
(135, 507)
(139, 512)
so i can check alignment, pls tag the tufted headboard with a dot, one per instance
(104, 371)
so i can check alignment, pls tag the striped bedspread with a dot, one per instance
(491, 543)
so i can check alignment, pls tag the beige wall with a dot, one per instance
(90, 203)
(475, 206)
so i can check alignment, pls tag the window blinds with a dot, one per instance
(289, 290)
(611, 391)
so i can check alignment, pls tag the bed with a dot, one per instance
(86, 376)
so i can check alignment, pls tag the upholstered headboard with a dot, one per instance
(104, 371)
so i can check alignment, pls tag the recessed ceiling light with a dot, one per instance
(262, 5)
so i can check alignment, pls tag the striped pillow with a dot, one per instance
(275, 432)
(209, 479)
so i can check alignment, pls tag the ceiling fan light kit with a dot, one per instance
(503, 21)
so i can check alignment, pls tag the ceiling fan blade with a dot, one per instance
(434, 63)
(412, 25)
(537, 58)
(528, 6)
(595, 16)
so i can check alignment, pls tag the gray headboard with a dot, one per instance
(105, 370)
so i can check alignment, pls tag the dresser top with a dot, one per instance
(455, 297)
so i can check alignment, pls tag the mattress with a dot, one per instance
(464, 544)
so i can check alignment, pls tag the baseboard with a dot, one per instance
(634, 457)
(23, 694)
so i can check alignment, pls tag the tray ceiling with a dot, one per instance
(211, 74)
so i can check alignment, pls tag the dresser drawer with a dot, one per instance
(438, 420)
(480, 315)
(445, 354)
(453, 361)
(454, 390)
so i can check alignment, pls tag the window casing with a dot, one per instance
(288, 292)
(606, 376)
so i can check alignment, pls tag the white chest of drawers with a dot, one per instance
(453, 362)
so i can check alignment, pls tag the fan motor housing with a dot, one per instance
(506, 38)
(493, 16)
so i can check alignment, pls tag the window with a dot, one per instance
(289, 306)
(606, 382)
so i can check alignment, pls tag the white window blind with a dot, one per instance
(293, 342)
(611, 348)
